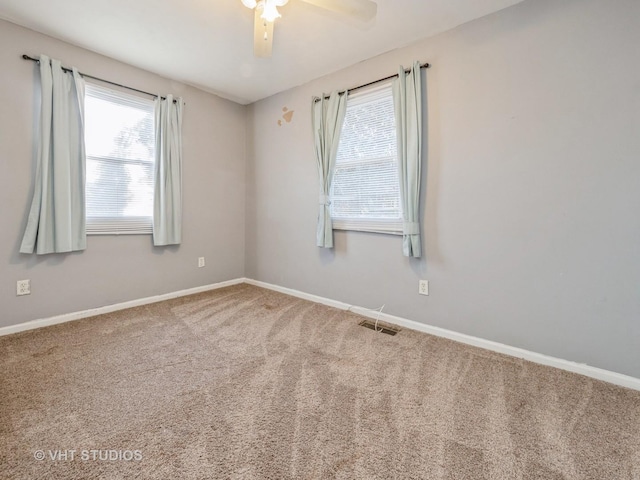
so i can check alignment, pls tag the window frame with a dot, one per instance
(121, 225)
(371, 225)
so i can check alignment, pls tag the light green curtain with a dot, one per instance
(407, 99)
(167, 205)
(56, 220)
(327, 119)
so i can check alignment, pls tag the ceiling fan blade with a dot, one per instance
(262, 36)
(364, 10)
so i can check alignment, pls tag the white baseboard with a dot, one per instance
(69, 317)
(581, 368)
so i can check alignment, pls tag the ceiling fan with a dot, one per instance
(266, 12)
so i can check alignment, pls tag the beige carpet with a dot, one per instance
(245, 383)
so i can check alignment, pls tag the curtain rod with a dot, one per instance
(407, 70)
(27, 57)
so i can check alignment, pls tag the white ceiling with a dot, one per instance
(209, 43)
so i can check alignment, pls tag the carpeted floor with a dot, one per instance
(246, 383)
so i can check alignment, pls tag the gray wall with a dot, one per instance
(115, 269)
(531, 214)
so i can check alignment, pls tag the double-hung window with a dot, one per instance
(120, 148)
(365, 191)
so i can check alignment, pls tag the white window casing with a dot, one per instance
(120, 148)
(365, 192)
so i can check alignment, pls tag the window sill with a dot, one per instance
(117, 234)
(370, 226)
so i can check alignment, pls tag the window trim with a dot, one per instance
(372, 225)
(130, 225)
(390, 227)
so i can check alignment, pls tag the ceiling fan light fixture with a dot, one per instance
(270, 11)
(266, 12)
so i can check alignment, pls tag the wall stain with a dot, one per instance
(287, 116)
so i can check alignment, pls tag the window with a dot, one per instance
(120, 145)
(365, 192)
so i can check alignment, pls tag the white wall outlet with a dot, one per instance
(423, 287)
(23, 287)
(200, 262)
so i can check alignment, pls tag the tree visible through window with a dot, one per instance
(120, 144)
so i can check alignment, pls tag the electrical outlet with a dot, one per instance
(200, 262)
(23, 287)
(423, 287)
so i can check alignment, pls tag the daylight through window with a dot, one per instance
(365, 192)
(120, 146)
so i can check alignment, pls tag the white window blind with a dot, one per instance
(365, 192)
(120, 145)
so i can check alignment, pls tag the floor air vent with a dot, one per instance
(381, 328)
